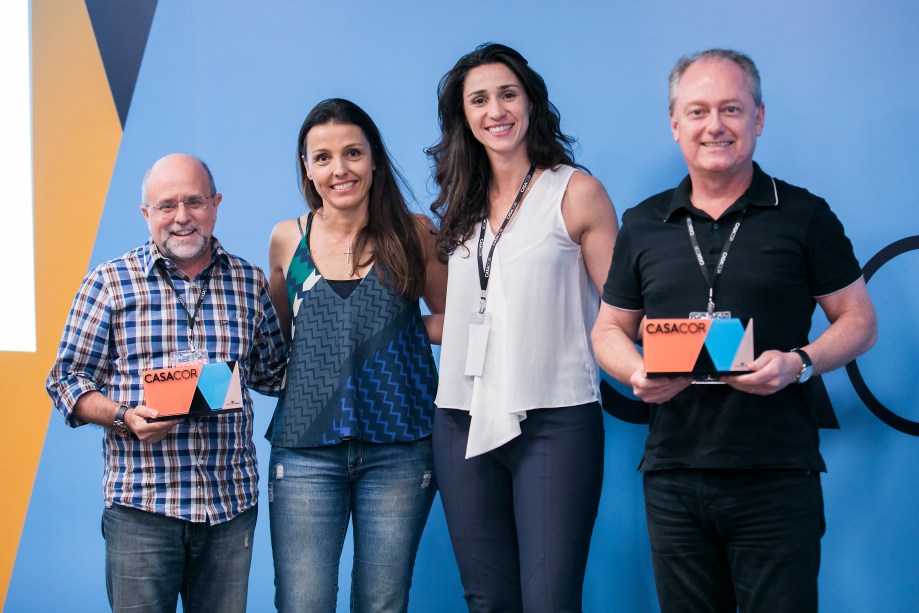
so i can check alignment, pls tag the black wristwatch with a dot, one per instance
(121, 429)
(807, 368)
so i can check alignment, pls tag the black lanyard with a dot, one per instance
(724, 256)
(190, 317)
(485, 270)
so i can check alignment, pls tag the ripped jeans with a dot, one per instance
(385, 488)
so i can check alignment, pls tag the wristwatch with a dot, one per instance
(807, 368)
(120, 428)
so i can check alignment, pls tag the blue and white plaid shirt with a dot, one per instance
(126, 319)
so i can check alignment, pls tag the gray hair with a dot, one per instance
(742, 61)
(207, 171)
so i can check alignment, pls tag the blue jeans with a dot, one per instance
(521, 516)
(152, 559)
(723, 540)
(386, 489)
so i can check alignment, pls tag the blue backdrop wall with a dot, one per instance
(231, 81)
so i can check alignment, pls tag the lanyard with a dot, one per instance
(190, 317)
(485, 270)
(701, 260)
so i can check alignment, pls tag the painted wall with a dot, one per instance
(231, 82)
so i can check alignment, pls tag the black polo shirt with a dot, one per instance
(790, 248)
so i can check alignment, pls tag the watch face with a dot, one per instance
(807, 367)
(806, 373)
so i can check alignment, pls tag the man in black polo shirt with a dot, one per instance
(732, 471)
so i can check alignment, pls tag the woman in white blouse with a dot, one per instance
(518, 432)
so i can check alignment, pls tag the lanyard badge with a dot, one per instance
(194, 353)
(189, 356)
(710, 312)
(480, 321)
(479, 327)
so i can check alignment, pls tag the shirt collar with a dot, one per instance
(150, 255)
(762, 193)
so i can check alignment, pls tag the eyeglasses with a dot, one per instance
(169, 207)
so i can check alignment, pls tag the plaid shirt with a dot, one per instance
(126, 319)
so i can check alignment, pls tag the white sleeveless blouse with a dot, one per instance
(543, 306)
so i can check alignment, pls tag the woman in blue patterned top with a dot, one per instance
(351, 433)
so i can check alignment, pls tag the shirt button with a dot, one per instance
(716, 225)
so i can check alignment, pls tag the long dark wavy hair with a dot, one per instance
(461, 168)
(391, 230)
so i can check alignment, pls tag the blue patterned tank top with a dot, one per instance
(360, 367)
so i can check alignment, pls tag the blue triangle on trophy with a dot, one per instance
(724, 335)
(214, 382)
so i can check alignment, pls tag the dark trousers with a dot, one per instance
(520, 517)
(723, 540)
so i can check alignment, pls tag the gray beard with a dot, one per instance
(184, 252)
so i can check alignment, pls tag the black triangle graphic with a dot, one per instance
(199, 403)
(121, 30)
(704, 362)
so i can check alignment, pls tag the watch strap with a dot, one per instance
(120, 428)
(806, 363)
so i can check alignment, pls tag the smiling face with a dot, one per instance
(497, 109)
(184, 236)
(339, 162)
(715, 120)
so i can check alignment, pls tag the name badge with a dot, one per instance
(479, 326)
(707, 315)
(197, 356)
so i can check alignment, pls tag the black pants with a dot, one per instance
(520, 517)
(727, 539)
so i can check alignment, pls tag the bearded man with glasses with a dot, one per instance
(180, 495)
